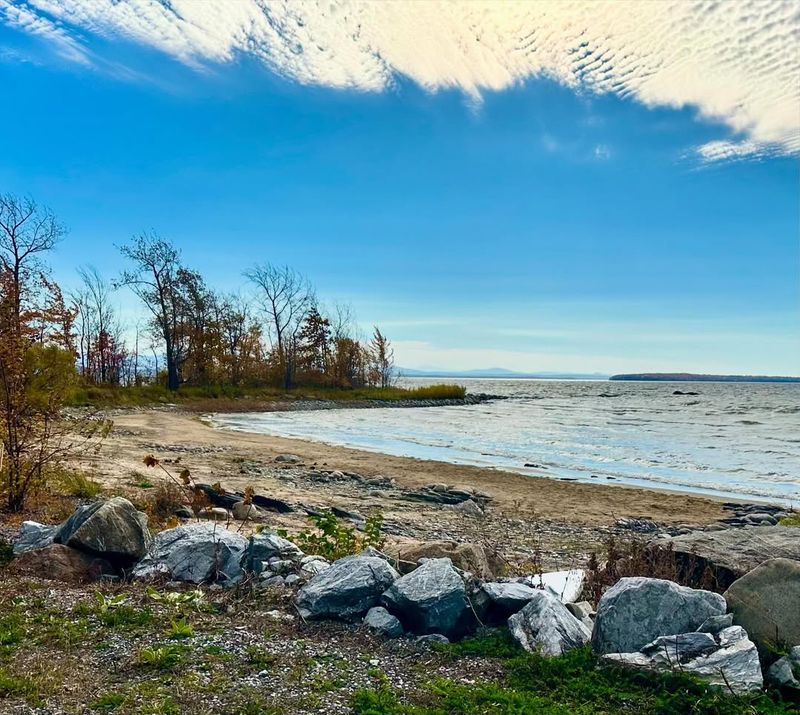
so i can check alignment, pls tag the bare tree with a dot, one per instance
(285, 297)
(155, 280)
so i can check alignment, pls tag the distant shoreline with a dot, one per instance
(689, 377)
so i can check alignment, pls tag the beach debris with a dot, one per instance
(766, 602)
(444, 494)
(728, 659)
(197, 553)
(636, 611)
(378, 619)
(227, 500)
(347, 589)
(545, 625)
(431, 599)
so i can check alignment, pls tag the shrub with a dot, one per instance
(76, 484)
(180, 629)
(334, 540)
(791, 520)
(163, 657)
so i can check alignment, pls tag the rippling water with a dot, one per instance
(732, 439)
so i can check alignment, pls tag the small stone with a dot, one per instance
(380, 620)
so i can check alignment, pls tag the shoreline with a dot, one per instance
(212, 454)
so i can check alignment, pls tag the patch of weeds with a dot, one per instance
(335, 540)
(17, 686)
(180, 630)
(179, 600)
(791, 520)
(108, 702)
(163, 657)
(126, 617)
(260, 658)
(487, 643)
(77, 484)
(321, 684)
(252, 702)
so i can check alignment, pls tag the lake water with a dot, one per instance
(732, 439)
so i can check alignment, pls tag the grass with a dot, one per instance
(219, 397)
(575, 684)
(791, 520)
(76, 484)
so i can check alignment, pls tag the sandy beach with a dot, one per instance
(524, 512)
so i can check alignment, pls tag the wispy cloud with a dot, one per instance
(736, 62)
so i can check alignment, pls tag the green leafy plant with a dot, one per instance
(791, 520)
(180, 629)
(334, 540)
(108, 702)
(177, 599)
(163, 657)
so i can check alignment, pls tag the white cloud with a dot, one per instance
(735, 61)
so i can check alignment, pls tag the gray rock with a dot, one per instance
(267, 545)
(545, 625)
(380, 620)
(273, 581)
(495, 601)
(431, 599)
(33, 536)
(731, 663)
(766, 602)
(468, 507)
(636, 611)
(246, 512)
(184, 512)
(288, 459)
(785, 672)
(432, 638)
(732, 553)
(347, 589)
(292, 579)
(309, 569)
(583, 611)
(715, 624)
(197, 553)
(113, 529)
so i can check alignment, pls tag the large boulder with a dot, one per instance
(467, 557)
(728, 659)
(62, 563)
(431, 599)
(545, 625)
(268, 545)
(113, 529)
(496, 601)
(731, 553)
(636, 611)
(33, 536)
(766, 603)
(197, 553)
(347, 589)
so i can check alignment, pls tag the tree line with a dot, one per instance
(280, 336)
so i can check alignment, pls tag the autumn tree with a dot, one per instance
(285, 298)
(381, 357)
(37, 365)
(156, 279)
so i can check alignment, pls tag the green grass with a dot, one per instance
(144, 395)
(77, 484)
(574, 684)
(791, 520)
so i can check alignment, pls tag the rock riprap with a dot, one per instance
(113, 529)
(346, 589)
(267, 545)
(636, 611)
(545, 625)
(784, 673)
(431, 599)
(766, 602)
(727, 659)
(197, 553)
(33, 536)
(496, 601)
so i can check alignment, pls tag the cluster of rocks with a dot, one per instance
(753, 515)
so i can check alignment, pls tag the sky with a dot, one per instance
(572, 187)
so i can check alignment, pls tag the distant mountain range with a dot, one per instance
(500, 373)
(689, 377)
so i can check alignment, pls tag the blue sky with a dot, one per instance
(539, 224)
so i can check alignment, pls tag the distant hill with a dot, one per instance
(500, 373)
(689, 377)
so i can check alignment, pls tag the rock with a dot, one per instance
(732, 553)
(468, 507)
(567, 585)
(433, 638)
(785, 672)
(214, 513)
(184, 512)
(380, 620)
(61, 563)
(113, 529)
(583, 611)
(545, 625)
(495, 601)
(636, 611)
(766, 603)
(246, 512)
(292, 579)
(715, 624)
(33, 536)
(729, 660)
(288, 459)
(197, 553)
(273, 581)
(267, 545)
(431, 599)
(347, 589)
(310, 566)
(467, 557)
(372, 551)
